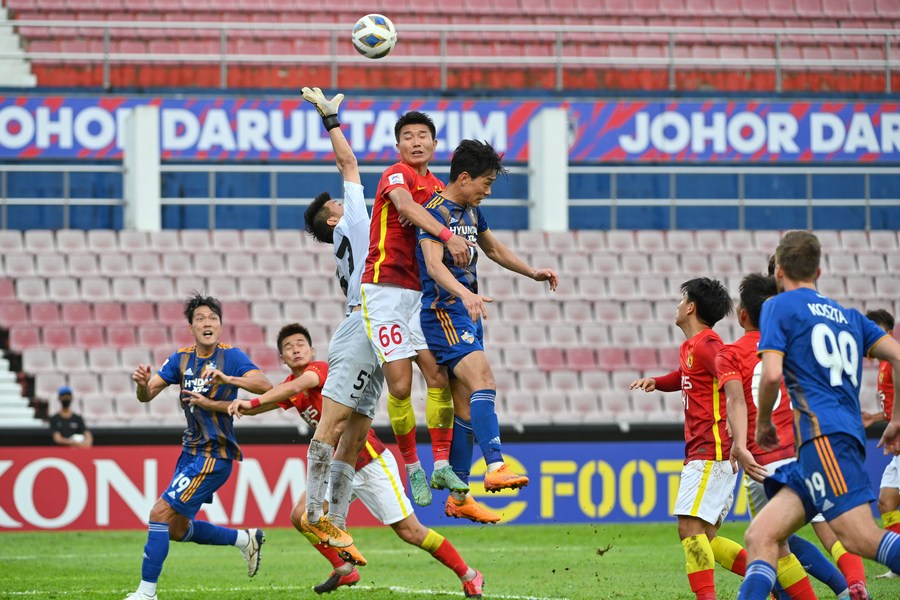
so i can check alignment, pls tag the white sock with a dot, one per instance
(459, 496)
(469, 576)
(413, 467)
(344, 569)
(243, 538)
(494, 466)
(147, 588)
(440, 464)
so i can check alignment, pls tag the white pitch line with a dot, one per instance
(293, 588)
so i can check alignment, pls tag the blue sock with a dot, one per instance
(486, 425)
(889, 551)
(204, 532)
(461, 448)
(155, 551)
(758, 581)
(816, 564)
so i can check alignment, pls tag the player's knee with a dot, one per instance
(297, 514)
(400, 389)
(756, 536)
(411, 531)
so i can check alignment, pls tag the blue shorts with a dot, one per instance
(829, 475)
(450, 333)
(196, 480)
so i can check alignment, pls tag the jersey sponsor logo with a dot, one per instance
(831, 313)
(468, 337)
(395, 179)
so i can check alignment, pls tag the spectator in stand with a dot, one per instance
(67, 427)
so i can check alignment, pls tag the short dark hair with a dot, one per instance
(772, 265)
(712, 299)
(755, 289)
(414, 117)
(799, 254)
(882, 318)
(316, 217)
(475, 158)
(196, 300)
(293, 329)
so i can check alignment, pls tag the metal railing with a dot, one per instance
(557, 40)
(614, 202)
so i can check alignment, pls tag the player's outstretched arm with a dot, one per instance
(418, 215)
(279, 393)
(343, 153)
(254, 381)
(433, 253)
(148, 385)
(769, 384)
(501, 254)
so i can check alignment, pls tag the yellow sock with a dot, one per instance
(432, 541)
(400, 410)
(700, 563)
(890, 518)
(439, 408)
(729, 554)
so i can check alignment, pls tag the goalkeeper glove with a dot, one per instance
(328, 109)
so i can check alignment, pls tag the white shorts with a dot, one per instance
(891, 476)
(379, 486)
(756, 493)
(706, 490)
(391, 314)
(354, 371)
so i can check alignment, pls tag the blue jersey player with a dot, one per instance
(209, 375)
(817, 346)
(452, 314)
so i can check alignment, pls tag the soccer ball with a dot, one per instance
(374, 36)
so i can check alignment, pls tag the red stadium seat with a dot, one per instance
(549, 359)
(121, 336)
(611, 359)
(12, 313)
(24, 336)
(89, 336)
(57, 336)
(44, 313)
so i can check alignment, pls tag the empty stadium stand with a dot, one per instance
(608, 57)
(563, 358)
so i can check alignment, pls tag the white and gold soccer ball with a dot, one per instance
(374, 36)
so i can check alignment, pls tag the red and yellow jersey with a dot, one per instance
(886, 388)
(392, 247)
(705, 433)
(739, 361)
(309, 405)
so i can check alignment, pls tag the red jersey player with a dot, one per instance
(706, 487)
(889, 494)
(377, 481)
(391, 295)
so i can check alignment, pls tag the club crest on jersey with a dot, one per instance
(468, 337)
(690, 361)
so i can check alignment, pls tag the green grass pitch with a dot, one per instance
(596, 561)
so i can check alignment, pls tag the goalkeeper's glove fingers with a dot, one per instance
(325, 106)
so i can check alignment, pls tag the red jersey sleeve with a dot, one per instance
(728, 366)
(395, 176)
(670, 382)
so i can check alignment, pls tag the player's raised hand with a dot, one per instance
(142, 375)
(766, 435)
(548, 275)
(648, 384)
(326, 107)
(216, 376)
(459, 250)
(475, 305)
(237, 408)
(741, 458)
